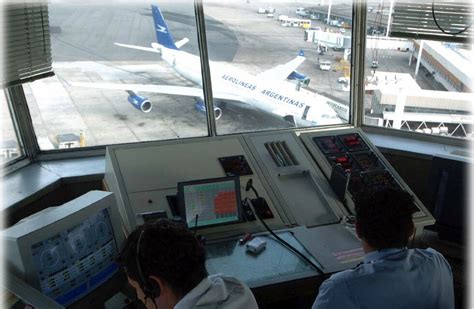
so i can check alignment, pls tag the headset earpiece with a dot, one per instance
(151, 288)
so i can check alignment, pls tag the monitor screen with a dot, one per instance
(77, 259)
(210, 202)
(67, 251)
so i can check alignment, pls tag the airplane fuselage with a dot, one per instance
(274, 97)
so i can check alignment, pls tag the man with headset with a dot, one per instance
(391, 276)
(165, 263)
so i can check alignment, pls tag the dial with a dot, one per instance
(49, 257)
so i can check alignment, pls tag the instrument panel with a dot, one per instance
(366, 167)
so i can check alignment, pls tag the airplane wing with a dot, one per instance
(288, 117)
(180, 43)
(148, 49)
(282, 71)
(156, 48)
(163, 89)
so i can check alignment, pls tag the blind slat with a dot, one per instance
(27, 52)
(415, 20)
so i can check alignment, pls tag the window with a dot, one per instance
(105, 93)
(273, 65)
(417, 84)
(11, 148)
(125, 72)
(268, 64)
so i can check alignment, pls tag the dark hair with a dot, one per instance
(384, 217)
(168, 251)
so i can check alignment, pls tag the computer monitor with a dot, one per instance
(211, 201)
(67, 251)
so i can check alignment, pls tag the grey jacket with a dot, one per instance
(216, 292)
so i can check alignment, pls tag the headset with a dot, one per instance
(150, 287)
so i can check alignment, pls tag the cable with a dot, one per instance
(196, 224)
(282, 242)
(149, 291)
(439, 27)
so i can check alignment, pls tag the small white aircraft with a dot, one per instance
(269, 91)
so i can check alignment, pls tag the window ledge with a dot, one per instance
(410, 146)
(37, 179)
(420, 146)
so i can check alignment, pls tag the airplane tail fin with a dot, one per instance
(162, 33)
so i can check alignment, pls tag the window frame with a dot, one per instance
(20, 113)
(23, 159)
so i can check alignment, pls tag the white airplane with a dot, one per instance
(269, 91)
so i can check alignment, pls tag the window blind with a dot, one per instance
(27, 44)
(439, 20)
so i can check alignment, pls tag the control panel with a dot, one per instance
(145, 179)
(351, 152)
(223, 186)
(294, 179)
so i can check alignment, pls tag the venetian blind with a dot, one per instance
(439, 20)
(27, 45)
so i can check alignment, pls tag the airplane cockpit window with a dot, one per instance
(266, 63)
(305, 112)
(120, 76)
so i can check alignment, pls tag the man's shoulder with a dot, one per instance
(432, 255)
(234, 293)
(227, 279)
(345, 275)
(364, 269)
(232, 284)
(428, 252)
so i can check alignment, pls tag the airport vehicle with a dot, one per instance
(295, 22)
(305, 23)
(343, 80)
(301, 12)
(325, 65)
(269, 91)
(270, 10)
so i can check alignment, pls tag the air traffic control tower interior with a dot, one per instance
(67, 212)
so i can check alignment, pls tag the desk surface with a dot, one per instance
(274, 265)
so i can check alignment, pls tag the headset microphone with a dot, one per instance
(249, 186)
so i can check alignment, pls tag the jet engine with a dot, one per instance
(201, 107)
(295, 75)
(139, 102)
